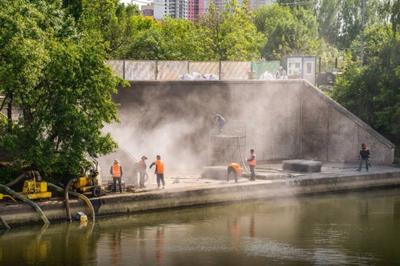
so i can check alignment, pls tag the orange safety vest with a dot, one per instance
(253, 161)
(116, 170)
(236, 167)
(159, 167)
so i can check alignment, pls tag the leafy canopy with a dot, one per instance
(58, 86)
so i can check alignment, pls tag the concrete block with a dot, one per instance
(308, 166)
(215, 172)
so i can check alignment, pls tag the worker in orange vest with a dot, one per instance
(116, 173)
(235, 171)
(252, 165)
(159, 171)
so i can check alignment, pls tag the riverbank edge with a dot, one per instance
(156, 200)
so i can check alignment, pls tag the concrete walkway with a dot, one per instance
(191, 190)
(266, 173)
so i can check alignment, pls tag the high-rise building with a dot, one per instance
(148, 10)
(159, 9)
(253, 4)
(197, 8)
(194, 9)
(176, 8)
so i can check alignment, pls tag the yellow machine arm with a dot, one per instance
(4, 196)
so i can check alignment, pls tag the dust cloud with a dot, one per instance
(175, 120)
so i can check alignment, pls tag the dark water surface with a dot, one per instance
(342, 229)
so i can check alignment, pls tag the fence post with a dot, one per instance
(123, 69)
(220, 70)
(156, 70)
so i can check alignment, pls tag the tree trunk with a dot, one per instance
(9, 110)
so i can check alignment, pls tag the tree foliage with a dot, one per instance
(111, 19)
(287, 31)
(372, 91)
(232, 32)
(59, 83)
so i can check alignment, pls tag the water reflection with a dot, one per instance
(318, 230)
(160, 235)
(252, 227)
(115, 247)
(396, 211)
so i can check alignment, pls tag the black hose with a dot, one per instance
(66, 198)
(78, 195)
(26, 200)
(16, 180)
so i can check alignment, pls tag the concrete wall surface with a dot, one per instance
(283, 119)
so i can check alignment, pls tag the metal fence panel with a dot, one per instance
(171, 70)
(140, 70)
(259, 68)
(235, 70)
(117, 66)
(204, 67)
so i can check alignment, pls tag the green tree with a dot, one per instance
(328, 20)
(233, 34)
(60, 83)
(183, 40)
(372, 91)
(109, 18)
(211, 22)
(240, 39)
(287, 31)
(146, 41)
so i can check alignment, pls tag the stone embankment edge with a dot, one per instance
(19, 215)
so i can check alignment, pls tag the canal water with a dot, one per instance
(342, 229)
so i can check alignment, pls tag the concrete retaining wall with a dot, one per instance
(284, 119)
(332, 133)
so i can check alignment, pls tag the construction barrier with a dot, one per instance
(140, 70)
(261, 67)
(205, 67)
(175, 70)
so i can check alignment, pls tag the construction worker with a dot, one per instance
(220, 120)
(235, 171)
(159, 171)
(364, 157)
(252, 165)
(142, 171)
(116, 173)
